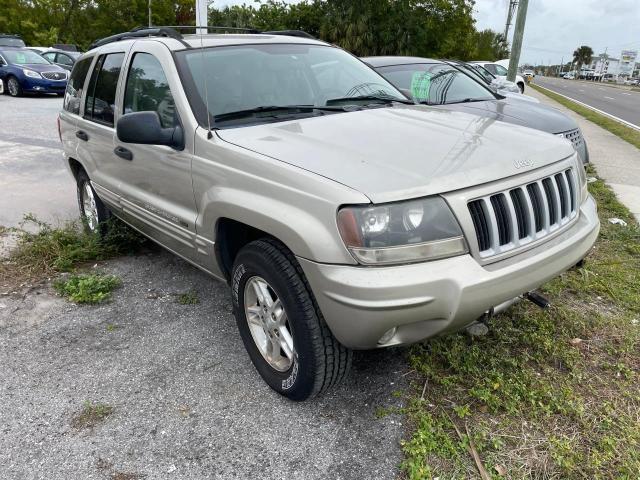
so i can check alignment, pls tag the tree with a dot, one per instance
(582, 56)
(490, 45)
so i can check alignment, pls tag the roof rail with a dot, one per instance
(214, 27)
(291, 33)
(137, 33)
(172, 31)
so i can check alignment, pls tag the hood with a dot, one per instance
(403, 152)
(42, 67)
(520, 112)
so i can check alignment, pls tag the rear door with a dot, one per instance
(96, 126)
(70, 113)
(155, 181)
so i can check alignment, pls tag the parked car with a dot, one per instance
(24, 71)
(9, 40)
(500, 86)
(62, 58)
(569, 76)
(342, 215)
(529, 74)
(38, 50)
(501, 72)
(452, 89)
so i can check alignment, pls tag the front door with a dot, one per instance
(155, 187)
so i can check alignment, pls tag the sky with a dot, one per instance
(555, 28)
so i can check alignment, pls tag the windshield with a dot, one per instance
(11, 42)
(435, 83)
(246, 77)
(23, 57)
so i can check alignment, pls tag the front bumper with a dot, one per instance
(38, 85)
(422, 300)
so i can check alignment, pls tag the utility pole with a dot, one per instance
(512, 8)
(202, 19)
(516, 46)
(149, 13)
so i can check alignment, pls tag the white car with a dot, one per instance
(501, 72)
(569, 76)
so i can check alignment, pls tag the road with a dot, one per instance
(187, 401)
(33, 178)
(614, 101)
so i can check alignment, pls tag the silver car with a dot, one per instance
(342, 215)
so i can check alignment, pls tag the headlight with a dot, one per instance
(403, 232)
(31, 73)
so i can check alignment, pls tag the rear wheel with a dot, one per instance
(13, 87)
(281, 325)
(93, 212)
(521, 87)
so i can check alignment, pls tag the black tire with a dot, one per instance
(60, 94)
(103, 213)
(320, 361)
(521, 87)
(14, 84)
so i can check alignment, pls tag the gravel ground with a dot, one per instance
(187, 400)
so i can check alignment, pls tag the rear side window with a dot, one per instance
(147, 90)
(101, 94)
(64, 59)
(75, 86)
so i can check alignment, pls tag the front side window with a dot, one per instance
(64, 59)
(147, 90)
(75, 86)
(49, 56)
(24, 57)
(101, 95)
(435, 83)
(500, 70)
(239, 78)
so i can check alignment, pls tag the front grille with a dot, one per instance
(512, 218)
(574, 136)
(54, 75)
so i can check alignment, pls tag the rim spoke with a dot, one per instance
(286, 342)
(254, 315)
(266, 295)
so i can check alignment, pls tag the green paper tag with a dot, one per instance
(420, 85)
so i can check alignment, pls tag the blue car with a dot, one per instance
(24, 71)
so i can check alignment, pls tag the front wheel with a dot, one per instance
(13, 87)
(281, 325)
(521, 87)
(93, 212)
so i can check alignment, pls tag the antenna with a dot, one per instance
(204, 79)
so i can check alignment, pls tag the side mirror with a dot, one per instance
(145, 128)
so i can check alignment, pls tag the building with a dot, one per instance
(603, 64)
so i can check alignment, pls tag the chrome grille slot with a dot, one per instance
(54, 75)
(508, 220)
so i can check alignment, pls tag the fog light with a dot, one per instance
(388, 335)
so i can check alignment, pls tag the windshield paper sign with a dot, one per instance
(420, 85)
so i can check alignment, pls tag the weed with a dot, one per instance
(42, 250)
(547, 393)
(188, 298)
(87, 288)
(91, 415)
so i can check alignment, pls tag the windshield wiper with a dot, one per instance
(465, 100)
(273, 111)
(375, 98)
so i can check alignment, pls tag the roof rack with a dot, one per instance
(137, 33)
(172, 31)
(291, 33)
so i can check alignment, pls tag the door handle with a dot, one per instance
(123, 153)
(82, 135)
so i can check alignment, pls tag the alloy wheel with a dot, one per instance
(268, 324)
(89, 207)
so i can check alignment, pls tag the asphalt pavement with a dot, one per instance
(187, 402)
(33, 178)
(624, 104)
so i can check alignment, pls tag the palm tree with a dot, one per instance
(581, 56)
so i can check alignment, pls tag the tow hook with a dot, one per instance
(537, 299)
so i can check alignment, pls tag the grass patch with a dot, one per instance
(87, 288)
(91, 415)
(42, 250)
(547, 393)
(188, 298)
(629, 134)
